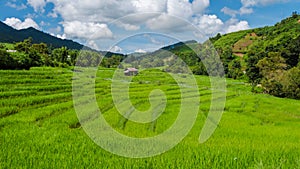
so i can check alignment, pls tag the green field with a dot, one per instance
(39, 127)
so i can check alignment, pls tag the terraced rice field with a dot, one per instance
(39, 127)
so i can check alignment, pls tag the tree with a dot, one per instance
(292, 52)
(272, 69)
(41, 48)
(291, 83)
(60, 55)
(234, 69)
(226, 57)
(2, 46)
(73, 56)
(295, 14)
(7, 62)
(214, 39)
(254, 55)
(24, 46)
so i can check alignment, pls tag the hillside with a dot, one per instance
(11, 35)
(267, 57)
(277, 35)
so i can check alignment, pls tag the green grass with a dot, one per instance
(228, 40)
(39, 127)
(9, 46)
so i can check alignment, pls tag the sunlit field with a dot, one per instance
(39, 126)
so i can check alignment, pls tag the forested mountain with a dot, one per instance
(11, 35)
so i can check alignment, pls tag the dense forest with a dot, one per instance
(268, 57)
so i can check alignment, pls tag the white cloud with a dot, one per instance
(209, 24)
(235, 25)
(153, 12)
(246, 10)
(128, 27)
(38, 5)
(18, 24)
(116, 49)
(229, 11)
(167, 23)
(179, 8)
(86, 30)
(199, 6)
(247, 6)
(140, 51)
(148, 6)
(93, 21)
(63, 36)
(249, 3)
(91, 10)
(92, 44)
(18, 7)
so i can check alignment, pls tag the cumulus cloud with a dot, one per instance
(199, 6)
(179, 8)
(155, 12)
(128, 27)
(148, 6)
(38, 5)
(18, 24)
(116, 49)
(92, 11)
(167, 23)
(209, 24)
(234, 25)
(86, 30)
(140, 51)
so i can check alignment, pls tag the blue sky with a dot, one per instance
(142, 25)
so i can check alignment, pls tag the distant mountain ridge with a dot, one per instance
(11, 35)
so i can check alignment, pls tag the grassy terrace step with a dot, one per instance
(34, 100)
(32, 114)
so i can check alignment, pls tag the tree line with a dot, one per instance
(27, 54)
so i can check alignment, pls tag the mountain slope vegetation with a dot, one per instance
(11, 35)
(268, 55)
